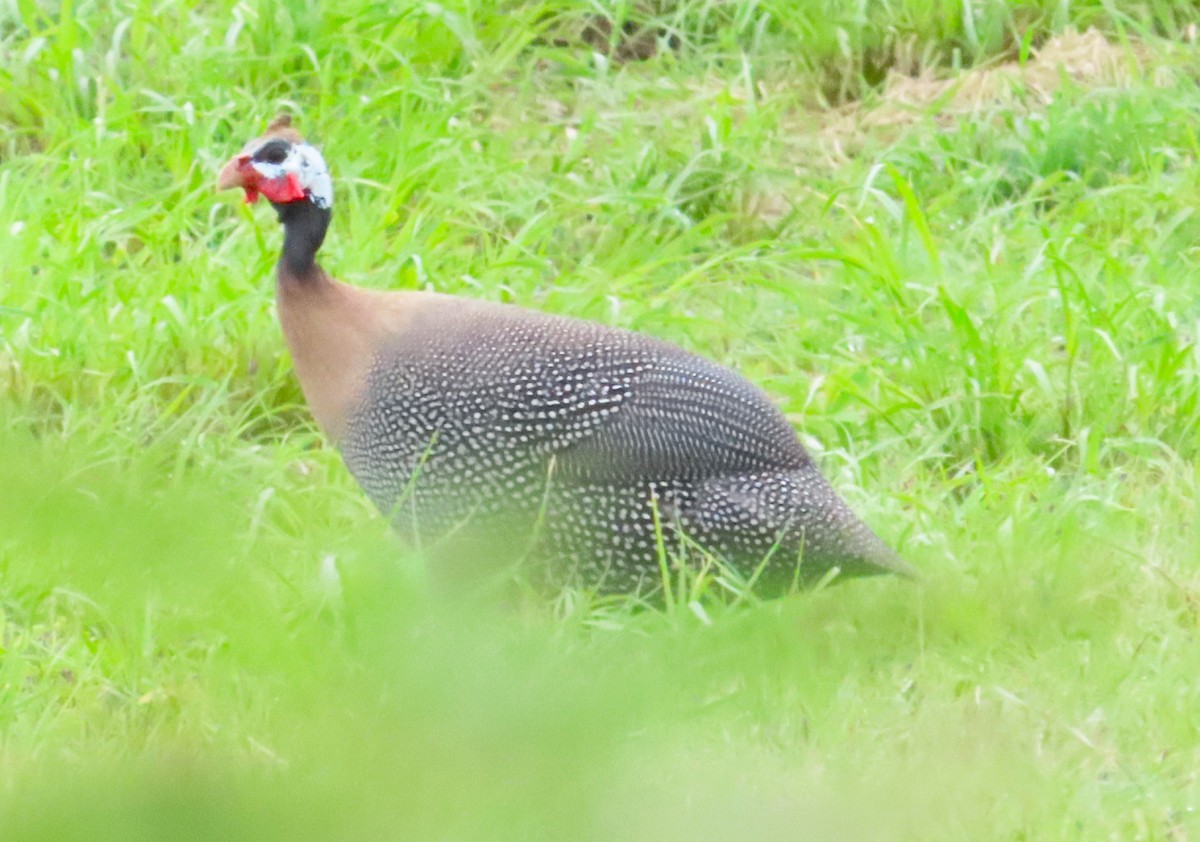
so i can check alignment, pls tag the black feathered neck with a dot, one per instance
(304, 227)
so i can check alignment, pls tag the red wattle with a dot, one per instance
(293, 184)
(282, 190)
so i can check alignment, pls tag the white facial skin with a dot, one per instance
(306, 163)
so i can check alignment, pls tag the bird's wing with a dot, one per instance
(612, 406)
(685, 417)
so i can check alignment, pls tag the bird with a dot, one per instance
(597, 450)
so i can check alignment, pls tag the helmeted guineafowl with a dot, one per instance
(599, 447)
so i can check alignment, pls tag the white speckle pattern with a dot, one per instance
(591, 433)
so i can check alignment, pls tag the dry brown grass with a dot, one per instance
(831, 137)
(1086, 59)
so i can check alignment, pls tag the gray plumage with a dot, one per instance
(585, 437)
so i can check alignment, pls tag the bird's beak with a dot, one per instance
(239, 173)
(233, 174)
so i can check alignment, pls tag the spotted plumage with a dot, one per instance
(599, 440)
(592, 448)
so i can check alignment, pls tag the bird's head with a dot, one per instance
(281, 166)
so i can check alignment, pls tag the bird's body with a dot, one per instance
(596, 448)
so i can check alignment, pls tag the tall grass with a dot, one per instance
(984, 328)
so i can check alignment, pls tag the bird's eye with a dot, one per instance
(275, 152)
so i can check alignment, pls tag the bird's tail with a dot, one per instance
(855, 548)
(872, 557)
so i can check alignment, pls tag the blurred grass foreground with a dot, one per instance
(957, 240)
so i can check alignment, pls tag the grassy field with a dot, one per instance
(959, 248)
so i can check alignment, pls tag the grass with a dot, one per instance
(984, 326)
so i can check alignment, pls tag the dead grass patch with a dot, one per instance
(834, 136)
(1086, 59)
